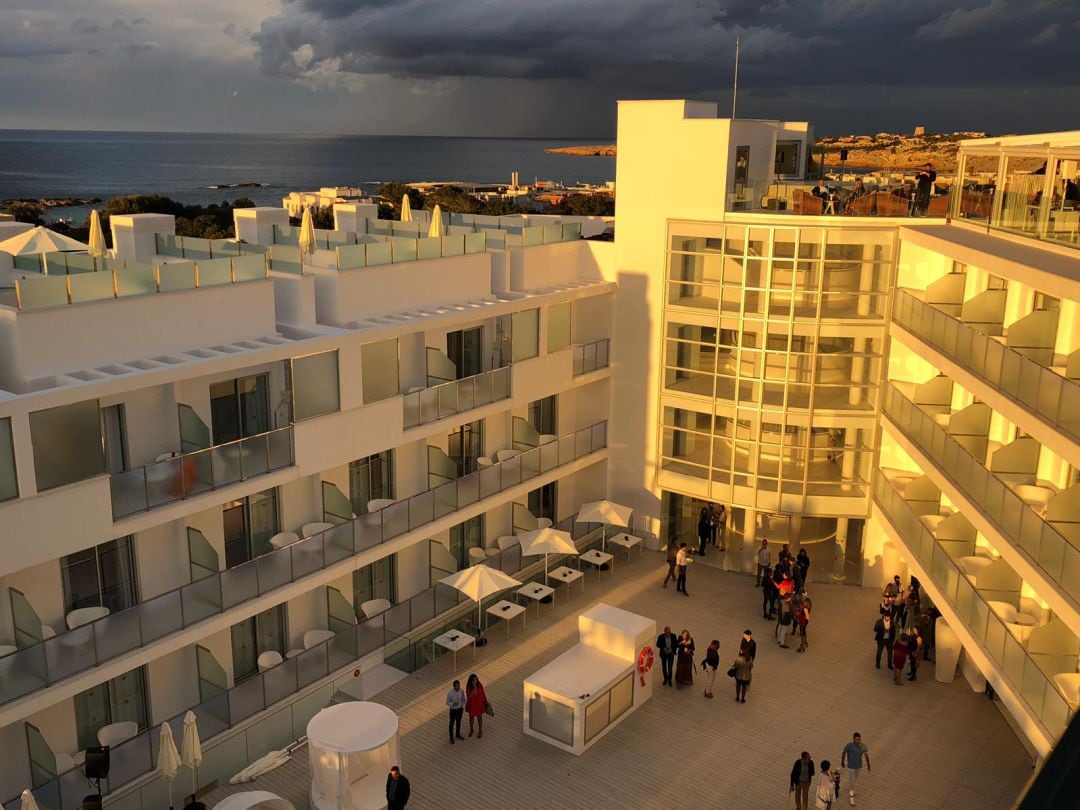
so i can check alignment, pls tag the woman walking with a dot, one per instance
(475, 703)
(712, 663)
(744, 666)
(824, 795)
(684, 662)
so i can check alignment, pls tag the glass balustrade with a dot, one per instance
(1050, 396)
(1028, 681)
(1024, 528)
(454, 397)
(89, 645)
(591, 356)
(187, 474)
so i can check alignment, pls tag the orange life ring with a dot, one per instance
(644, 662)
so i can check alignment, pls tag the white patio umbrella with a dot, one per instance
(406, 209)
(478, 583)
(307, 233)
(97, 237)
(40, 240)
(546, 541)
(168, 758)
(436, 227)
(607, 513)
(27, 801)
(191, 748)
(262, 765)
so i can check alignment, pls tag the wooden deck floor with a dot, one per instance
(931, 745)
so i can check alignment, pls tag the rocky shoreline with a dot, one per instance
(52, 202)
(584, 151)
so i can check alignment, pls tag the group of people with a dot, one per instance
(904, 631)
(677, 661)
(710, 528)
(827, 785)
(833, 203)
(471, 700)
(783, 595)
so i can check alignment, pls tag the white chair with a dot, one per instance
(507, 542)
(311, 529)
(483, 463)
(313, 638)
(165, 456)
(373, 607)
(81, 616)
(476, 556)
(375, 504)
(282, 539)
(492, 551)
(47, 632)
(268, 659)
(64, 762)
(543, 523)
(506, 455)
(115, 733)
(294, 652)
(548, 438)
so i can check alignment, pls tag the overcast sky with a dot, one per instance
(533, 67)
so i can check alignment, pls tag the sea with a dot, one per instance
(192, 168)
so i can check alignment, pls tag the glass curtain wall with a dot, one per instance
(118, 700)
(466, 445)
(264, 632)
(465, 348)
(370, 478)
(375, 581)
(464, 536)
(249, 524)
(103, 576)
(240, 408)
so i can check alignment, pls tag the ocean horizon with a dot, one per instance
(188, 166)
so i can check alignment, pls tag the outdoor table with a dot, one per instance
(536, 592)
(569, 576)
(506, 611)
(598, 558)
(628, 541)
(453, 640)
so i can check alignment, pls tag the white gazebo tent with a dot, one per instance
(607, 513)
(352, 747)
(40, 240)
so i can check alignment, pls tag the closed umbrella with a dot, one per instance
(97, 237)
(168, 759)
(478, 583)
(406, 209)
(436, 227)
(27, 801)
(546, 541)
(191, 749)
(607, 513)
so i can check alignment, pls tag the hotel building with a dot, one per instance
(232, 473)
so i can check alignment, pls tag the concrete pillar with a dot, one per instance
(350, 216)
(133, 235)
(256, 225)
(858, 370)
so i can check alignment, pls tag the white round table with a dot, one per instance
(311, 529)
(971, 566)
(375, 504)
(81, 616)
(282, 539)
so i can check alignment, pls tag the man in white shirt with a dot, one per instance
(764, 560)
(682, 558)
(455, 699)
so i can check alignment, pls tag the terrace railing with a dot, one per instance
(589, 357)
(456, 396)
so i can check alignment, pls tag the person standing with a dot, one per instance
(475, 703)
(924, 184)
(704, 529)
(684, 666)
(768, 595)
(682, 559)
(397, 789)
(711, 664)
(802, 774)
(667, 644)
(456, 700)
(672, 552)
(748, 645)
(802, 618)
(884, 635)
(914, 652)
(899, 657)
(852, 758)
(802, 567)
(785, 588)
(721, 526)
(823, 794)
(764, 561)
(744, 669)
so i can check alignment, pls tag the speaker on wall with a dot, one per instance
(96, 764)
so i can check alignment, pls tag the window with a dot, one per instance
(239, 408)
(542, 502)
(102, 576)
(542, 415)
(249, 524)
(264, 632)
(559, 320)
(466, 445)
(9, 483)
(465, 536)
(375, 581)
(525, 335)
(465, 348)
(67, 444)
(379, 370)
(114, 431)
(315, 385)
(121, 699)
(369, 478)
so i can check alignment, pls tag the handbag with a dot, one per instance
(489, 709)
(731, 671)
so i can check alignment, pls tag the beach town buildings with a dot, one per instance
(231, 473)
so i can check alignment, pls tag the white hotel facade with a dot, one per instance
(237, 450)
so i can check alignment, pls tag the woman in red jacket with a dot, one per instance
(475, 703)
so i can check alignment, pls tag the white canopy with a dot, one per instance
(40, 240)
(547, 541)
(478, 583)
(351, 748)
(406, 208)
(613, 514)
(307, 233)
(436, 226)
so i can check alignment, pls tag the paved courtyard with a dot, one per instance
(931, 745)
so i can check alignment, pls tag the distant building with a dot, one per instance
(919, 132)
(296, 201)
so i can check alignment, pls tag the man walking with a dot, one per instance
(764, 560)
(802, 774)
(672, 551)
(884, 635)
(455, 699)
(852, 758)
(682, 559)
(397, 790)
(667, 644)
(768, 595)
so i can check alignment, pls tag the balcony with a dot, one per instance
(68, 654)
(1049, 551)
(799, 201)
(1027, 679)
(182, 476)
(1053, 398)
(450, 398)
(589, 357)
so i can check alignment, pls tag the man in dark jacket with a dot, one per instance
(397, 790)
(802, 776)
(768, 594)
(667, 644)
(884, 635)
(924, 184)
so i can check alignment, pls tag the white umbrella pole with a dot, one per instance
(479, 614)
(170, 795)
(545, 568)
(603, 536)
